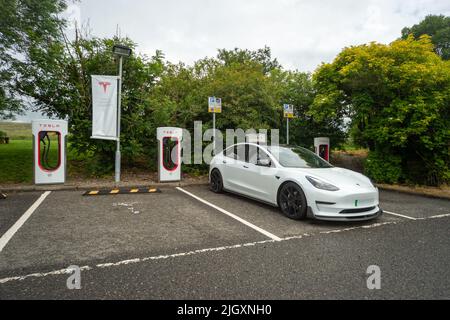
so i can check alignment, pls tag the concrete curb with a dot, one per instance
(68, 187)
(414, 193)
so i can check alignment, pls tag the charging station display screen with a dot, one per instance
(169, 145)
(49, 150)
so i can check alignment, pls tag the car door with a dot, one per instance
(258, 175)
(232, 163)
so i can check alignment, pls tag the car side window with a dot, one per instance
(251, 153)
(235, 152)
(254, 154)
(262, 155)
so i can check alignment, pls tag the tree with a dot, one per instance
(64, 91)
(297, 88)
(30, 36)
(398, 97)
(261, 56)
(438, 28)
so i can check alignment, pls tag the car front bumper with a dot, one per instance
(355, 217)
(346, 205)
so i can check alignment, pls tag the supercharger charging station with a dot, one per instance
(169, 153)
(49, 151)
(322, 147)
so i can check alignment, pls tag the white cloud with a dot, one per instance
(301, 33)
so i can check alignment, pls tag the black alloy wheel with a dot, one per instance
(292, 201)
(215, 183)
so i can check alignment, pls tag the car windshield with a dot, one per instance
(298, 157)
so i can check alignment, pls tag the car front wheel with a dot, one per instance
(292, 201)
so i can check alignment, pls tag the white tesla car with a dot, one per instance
(295, 179)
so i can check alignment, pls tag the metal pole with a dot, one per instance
(287, 131)
(214, 133)
(117, 165)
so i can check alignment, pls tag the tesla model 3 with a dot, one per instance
(296, 180)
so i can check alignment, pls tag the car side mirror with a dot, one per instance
(264, 163)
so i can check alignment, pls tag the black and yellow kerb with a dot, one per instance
(103, 192)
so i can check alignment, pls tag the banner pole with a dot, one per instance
(117, 164)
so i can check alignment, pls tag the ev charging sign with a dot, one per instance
(49, 151)
(288, 111)
(169, 153)
(214, 105)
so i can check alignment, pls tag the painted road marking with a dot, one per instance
(399, 215)
(199, 251)
(19, 223)
(440, 216)
(251, 225)
(123, 190)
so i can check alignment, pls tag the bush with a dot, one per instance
(383, 167)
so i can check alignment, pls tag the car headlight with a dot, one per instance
(320, 184)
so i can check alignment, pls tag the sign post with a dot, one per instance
(288, 113)
(214, 106)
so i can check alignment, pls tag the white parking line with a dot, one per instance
(399, 215)
(251, 225)
(440, 216)
(201, 251)
(19, 223)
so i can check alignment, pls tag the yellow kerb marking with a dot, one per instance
(93, 192)
(152, 190)
(134, 190)
(114, 191)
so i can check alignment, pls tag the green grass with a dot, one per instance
(16, 130)
(16, 161)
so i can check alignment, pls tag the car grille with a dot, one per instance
(357, 210)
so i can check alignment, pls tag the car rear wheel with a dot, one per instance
(215, 181)
(292, 201)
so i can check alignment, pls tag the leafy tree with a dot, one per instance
(398, 96)
(30, 37)
(261, 56)
(297, 88)
(438, 28)
(65, 91)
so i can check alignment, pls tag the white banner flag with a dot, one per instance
(104, 107)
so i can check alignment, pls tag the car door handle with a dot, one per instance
(223, 161)
(245, 167)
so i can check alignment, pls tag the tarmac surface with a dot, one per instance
(190, 243)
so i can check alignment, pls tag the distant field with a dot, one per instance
(16, 130)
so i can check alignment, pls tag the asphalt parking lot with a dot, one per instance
(189, 243)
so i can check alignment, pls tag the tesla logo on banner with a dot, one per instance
(105, 85)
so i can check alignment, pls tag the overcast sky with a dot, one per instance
(301, 33)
